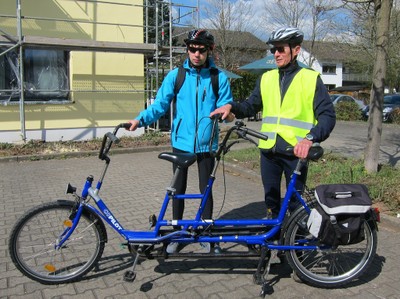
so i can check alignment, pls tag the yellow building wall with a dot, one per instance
(107, 87)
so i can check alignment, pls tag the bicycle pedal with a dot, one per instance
(129, 276)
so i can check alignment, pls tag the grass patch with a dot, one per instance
(38, 147)
(335, 169)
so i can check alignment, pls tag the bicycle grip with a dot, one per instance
(255, 133)
(216, 116)
(316, 151)
(125, 125)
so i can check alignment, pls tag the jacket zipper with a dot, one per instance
(177, 129)
(197, 108)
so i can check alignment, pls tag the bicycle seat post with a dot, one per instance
(171, 188)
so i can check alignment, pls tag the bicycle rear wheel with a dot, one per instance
(34, 237)
(332, 267)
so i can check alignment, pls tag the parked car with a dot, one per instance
(390, 102)
(339, 98)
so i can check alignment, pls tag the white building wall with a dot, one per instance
(328, 79)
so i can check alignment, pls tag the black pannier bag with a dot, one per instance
(338, 218)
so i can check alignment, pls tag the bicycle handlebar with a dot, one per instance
(110, 138)
(253, 133)
(316, 151)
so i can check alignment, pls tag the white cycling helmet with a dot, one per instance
(290, 35)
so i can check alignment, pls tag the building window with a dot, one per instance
(329, 69)
(46, 76)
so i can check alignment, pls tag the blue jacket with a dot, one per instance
(191, 126)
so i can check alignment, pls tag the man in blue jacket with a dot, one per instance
(191, 129)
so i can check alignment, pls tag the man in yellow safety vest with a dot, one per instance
(296, 111)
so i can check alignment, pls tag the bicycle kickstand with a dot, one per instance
(260, 277)
(265, 285)
(130, 275)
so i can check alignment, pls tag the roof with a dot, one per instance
(234, 39)
(333, 51)
(262, 65)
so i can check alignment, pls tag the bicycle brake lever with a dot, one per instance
(243, 135)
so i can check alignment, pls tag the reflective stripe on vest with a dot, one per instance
(293, 117)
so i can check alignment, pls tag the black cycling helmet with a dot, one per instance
(290, 35)
(200, 37)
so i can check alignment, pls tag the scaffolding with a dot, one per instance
(154, 53)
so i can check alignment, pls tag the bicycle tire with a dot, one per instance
(332, 267)
(33, 238)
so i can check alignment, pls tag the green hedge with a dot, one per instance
(348, 111)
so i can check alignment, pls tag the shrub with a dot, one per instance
(395, 116)
(348, 111)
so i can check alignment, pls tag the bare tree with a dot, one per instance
(371, 27)
(314, 17)
(382, 10)
(226, 18)
(286, 13)
(393, 75)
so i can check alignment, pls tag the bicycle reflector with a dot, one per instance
(377, 215)
(50, 268)
(68, 223)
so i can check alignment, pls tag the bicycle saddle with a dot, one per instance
(180, 159)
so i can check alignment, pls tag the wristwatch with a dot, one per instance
(310, 137)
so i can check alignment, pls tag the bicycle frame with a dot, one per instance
(186, 235)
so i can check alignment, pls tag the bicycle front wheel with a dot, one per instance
(34, 238)
(331, 267)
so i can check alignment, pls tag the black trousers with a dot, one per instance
(205, 164)
(273, 166)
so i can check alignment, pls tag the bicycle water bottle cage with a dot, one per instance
(183, 160)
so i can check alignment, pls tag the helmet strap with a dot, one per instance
(292, 59)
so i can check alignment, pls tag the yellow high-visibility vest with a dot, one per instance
(293, 117)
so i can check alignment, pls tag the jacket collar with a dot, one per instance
(209, 64)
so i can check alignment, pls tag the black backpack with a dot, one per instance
(182, 75)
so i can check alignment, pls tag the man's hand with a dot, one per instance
(224, 111)
(134, 124)
(302, 148)
(230, 117)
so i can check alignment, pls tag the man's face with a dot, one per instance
(282, 53)
(197, 54)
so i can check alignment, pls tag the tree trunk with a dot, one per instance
(382, 12)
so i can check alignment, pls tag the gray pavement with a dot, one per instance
(350, 138)
(134, 189)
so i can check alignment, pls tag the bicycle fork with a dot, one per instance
(70, 223)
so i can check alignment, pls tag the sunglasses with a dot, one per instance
(194, 50)
(279, 49)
